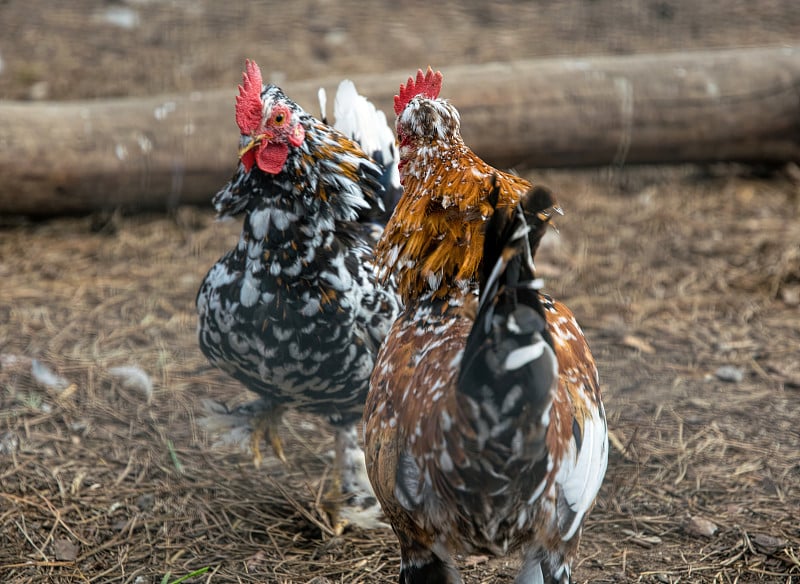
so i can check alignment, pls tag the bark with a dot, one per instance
(727, 105)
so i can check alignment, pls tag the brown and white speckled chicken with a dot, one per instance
(294, 311)
(484, 426)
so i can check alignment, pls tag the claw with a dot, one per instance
(255, 441)
(331, 504)
(265, 426)
(275, 441)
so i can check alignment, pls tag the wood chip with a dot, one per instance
(638, 343)
(64, 550)
(768, 544)
(700, 527)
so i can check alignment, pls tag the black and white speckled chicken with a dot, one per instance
(484, 426)
(294, 312)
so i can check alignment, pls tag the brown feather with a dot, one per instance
(440, 230)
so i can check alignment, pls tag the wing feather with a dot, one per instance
(583, 468)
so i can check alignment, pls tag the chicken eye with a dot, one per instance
(279, 118)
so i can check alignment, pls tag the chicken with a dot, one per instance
(294, 311)
(484, 426)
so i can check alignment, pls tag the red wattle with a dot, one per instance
(248, 159)
(271, 157)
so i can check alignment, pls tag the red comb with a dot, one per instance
(427, 85)
(249, 108)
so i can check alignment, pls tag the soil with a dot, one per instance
(685, 279)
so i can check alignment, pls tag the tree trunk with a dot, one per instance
(158, 152)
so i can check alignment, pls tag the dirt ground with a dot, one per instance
(686, 280)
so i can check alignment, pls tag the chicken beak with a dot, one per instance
(247, 143)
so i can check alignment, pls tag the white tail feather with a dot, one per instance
(323, 103)
(357, 118)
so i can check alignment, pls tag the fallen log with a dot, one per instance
(740, 104)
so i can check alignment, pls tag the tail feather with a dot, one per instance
(357, 118)
(509, 288)
(509, 368)
(507, 253)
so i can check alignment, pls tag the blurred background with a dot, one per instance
(115, 48)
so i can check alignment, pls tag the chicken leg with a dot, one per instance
(350, 500)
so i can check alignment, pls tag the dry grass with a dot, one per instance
(673, 276)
